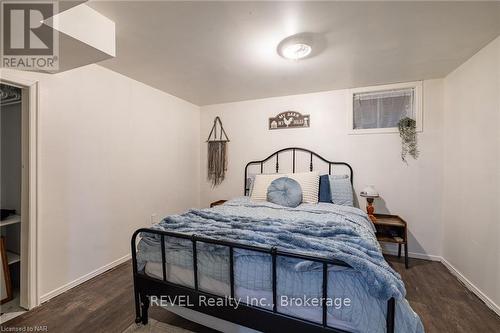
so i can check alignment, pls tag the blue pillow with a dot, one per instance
(325, 194)
(341, 189)
(285, 191)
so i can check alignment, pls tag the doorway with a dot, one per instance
(11, 183)
(18, 109)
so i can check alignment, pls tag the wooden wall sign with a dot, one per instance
(289, 119)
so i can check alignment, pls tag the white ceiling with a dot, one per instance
(215, 52)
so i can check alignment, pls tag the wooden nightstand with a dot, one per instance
(216, 203)
(392, 229)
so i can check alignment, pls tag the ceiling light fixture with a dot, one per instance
(296, 51)
(295, 47)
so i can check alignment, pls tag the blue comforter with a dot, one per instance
(324, 230)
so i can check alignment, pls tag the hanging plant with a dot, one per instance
(408, 133)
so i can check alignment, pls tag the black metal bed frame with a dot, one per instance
(294, 150)
(258, 318)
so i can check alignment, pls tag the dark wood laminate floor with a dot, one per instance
(105, 304)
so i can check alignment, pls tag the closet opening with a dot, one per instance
(14, 201)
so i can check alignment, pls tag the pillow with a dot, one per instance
(309, 182)
(341, 190)
(285, 192)
(260, 185)
(325, 193)
(251, 180)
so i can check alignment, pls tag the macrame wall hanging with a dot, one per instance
(217, 153)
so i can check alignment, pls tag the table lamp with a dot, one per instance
(370, 193)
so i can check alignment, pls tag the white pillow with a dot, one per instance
(251, 181)
(309, 181)
(261, 183)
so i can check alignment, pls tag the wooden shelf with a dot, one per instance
(392, 229)
(12, 258)
(10, 220)
(389, 220)
(390, 239)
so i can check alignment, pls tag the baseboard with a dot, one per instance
(80, 280)
(413, 255)
(468, 284)
(488, 301)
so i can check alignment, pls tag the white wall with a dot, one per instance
(471, 197)
(412, 191)
(112, 152)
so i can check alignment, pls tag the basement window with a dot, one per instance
(378, 109)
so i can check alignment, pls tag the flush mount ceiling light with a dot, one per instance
(296, 51)
(295, 47)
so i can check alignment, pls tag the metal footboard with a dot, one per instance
(255, 317)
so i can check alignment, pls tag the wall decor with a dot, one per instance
(289, 119)
(217, 153)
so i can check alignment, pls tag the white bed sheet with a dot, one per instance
(184, 277)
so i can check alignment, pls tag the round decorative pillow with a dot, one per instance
(285, 192)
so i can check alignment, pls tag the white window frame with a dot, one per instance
(417, 85)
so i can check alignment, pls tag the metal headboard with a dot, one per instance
(294, 150)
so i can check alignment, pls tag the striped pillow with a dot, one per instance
(309, 181)
(261, 183)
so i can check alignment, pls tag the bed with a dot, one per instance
(313, 268)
